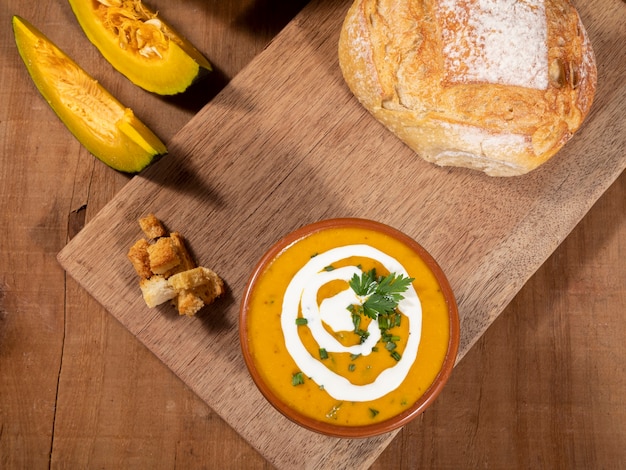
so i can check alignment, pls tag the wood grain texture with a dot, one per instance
(259, 161)
(68, 371)
(546, 399)
(543, 387)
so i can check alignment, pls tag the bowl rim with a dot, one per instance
(390, 424)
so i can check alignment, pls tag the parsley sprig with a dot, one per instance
(382, 293)
(382, 296)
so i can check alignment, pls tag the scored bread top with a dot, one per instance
(496, 85)
(479, 35)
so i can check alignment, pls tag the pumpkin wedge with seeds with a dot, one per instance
(106, 128)
(141, 46)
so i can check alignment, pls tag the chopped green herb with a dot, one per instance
(297, 379)
(363, 335)
(383, 322)
(301, 321)
(390, 346)
(323, 354)
(373, 412)
(351, 367)
(356, 319)
(329, 268)
(396, 355)
(354, 356)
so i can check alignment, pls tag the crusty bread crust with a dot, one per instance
(393, 58)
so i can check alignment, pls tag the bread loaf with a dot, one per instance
(494, 85)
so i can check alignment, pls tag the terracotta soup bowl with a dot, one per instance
(349, 327)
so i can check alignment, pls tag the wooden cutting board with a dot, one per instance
(286, 144)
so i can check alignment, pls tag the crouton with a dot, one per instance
(191, 278)
(152, 227)
(163, 256)
(188, 303)
(156, 291)
(209, 292)
(202, 281)
(140, 259)
(186, 260)
(167, 271)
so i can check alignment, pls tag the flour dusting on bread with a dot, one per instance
(480, 36)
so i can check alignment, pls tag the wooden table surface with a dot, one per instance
(545, 387)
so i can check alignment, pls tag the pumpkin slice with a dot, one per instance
(141, 46)
(102, 124)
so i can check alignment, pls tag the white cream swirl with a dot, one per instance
(302, 293)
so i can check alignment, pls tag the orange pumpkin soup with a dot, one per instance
(347, 325)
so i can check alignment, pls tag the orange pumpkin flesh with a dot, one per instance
(106, 128)
(144, 48)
